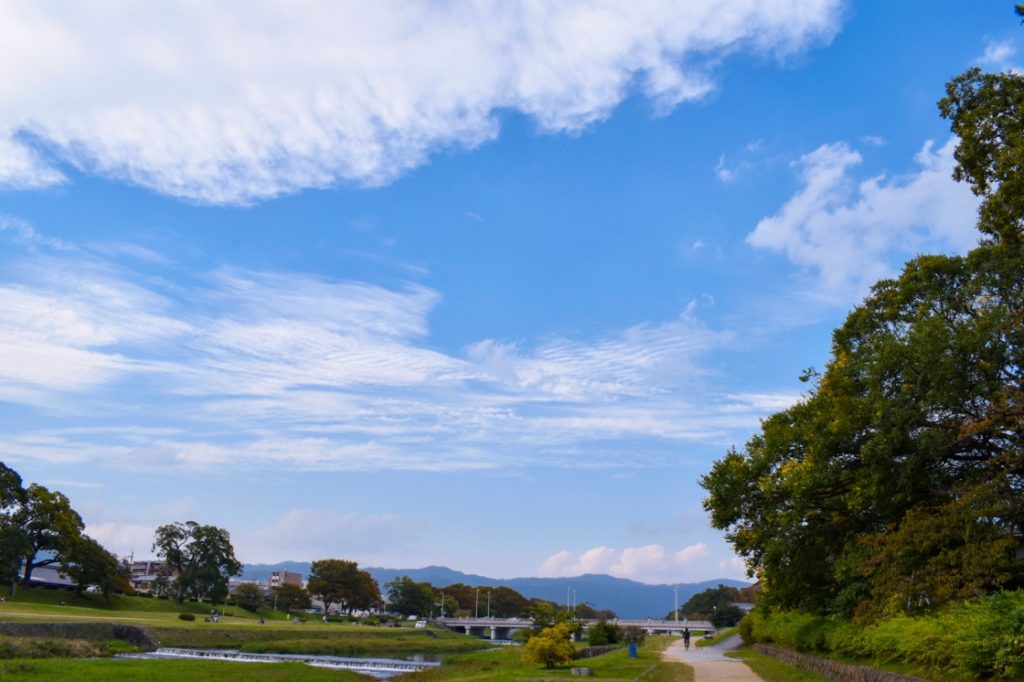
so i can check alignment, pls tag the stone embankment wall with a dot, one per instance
(91, 631)
(833, 670)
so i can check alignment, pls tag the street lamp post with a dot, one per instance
(476, 604)
(675, 589)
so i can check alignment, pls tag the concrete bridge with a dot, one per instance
(503, 628)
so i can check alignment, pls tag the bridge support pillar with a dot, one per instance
(468, 630)
(494, 632)
(650, 631)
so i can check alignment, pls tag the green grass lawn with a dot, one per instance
(240, 629)
(721, 636)
(773, 670)
(334, 639)
(503, 664)
(100, 670)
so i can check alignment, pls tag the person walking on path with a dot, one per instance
(686, 638)
(710, 664)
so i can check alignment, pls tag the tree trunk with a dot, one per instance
(27, 574)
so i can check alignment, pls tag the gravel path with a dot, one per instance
(710, 664)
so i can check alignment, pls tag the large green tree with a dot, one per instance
(898, 481)
(410, 598)
(715, 604)
(201, 556)
(14, 543)
(51, 528)
(249, 596)
(90, 565)
(337, 581)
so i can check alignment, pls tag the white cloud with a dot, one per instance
(649, 563)
(303, 533)
(727, 174)
(998, 53)
(733, 567)
(847, 232)
(123, 539)
(21, 167)
(228, 104)
(291, 371)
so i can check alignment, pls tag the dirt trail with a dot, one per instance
(710, 663)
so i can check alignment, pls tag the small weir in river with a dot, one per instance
(377, 667)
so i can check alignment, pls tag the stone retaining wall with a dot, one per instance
(91, 631)
(833, 670)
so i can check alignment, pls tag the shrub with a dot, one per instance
(981, 638)
(602, 632)
(551, 647)
(187, 616)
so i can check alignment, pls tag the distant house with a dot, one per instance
(279, 578)
(145, 573)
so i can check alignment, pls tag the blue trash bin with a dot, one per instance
(632, 649)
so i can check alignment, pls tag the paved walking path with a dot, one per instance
(710, 664)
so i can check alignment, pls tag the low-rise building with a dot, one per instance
(145, 574)
(279, 578)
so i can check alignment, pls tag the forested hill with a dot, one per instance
(628, 598)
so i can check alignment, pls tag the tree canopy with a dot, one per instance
(202, 556)
(897, 482)
(290, 597)
(551, 647)
(410, 598)
(715, 604)
(337, 581)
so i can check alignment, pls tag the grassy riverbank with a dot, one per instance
(506, 665)
(773, 670)
(101, 670)
(502, 665)
(720, 637)
(239, 630)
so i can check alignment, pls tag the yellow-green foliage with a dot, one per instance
(551, 647)
(978, 638)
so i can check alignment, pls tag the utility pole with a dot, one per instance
(676, 590)
(488, 603)
(476, 605)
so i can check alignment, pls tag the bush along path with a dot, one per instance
(710, 663)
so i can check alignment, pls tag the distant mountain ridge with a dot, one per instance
(627, 598)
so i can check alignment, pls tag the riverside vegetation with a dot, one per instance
(884, 512)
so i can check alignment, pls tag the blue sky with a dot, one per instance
(487, 285)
